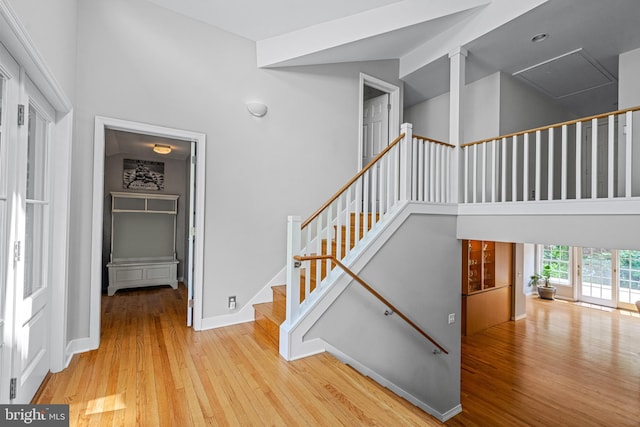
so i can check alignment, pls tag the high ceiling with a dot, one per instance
(579, 55)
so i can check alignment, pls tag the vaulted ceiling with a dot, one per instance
(577, 63)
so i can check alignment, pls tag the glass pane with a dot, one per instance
(629, 276)
(161, 205)
(33, 251)
(557, 256)
(36, 152)
(128, 204)
(596, 273)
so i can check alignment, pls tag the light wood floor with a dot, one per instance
(563, 365)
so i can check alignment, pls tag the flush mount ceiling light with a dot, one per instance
(257, 109)
(539, 37)
(162, 149)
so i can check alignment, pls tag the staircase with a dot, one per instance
(270, 315)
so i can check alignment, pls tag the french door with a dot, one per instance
(597, 280)
(24, 225)
(609, 277)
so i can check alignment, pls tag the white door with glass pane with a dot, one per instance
(597, 282)
(628, 276)
(24, 225)
(9, 94)
(31, 362)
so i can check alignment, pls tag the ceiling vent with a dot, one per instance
(565, 75)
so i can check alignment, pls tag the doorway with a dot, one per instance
(190, 142)
(379, 117)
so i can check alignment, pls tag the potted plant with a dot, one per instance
(545, 290)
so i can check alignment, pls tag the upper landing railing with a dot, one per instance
(589, 158)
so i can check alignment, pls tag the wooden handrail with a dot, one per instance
(556, 125)
(435, 141)
(373, 292)
(352, 180)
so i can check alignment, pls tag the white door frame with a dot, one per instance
(394, 112)
(102, 123)
(19, 43)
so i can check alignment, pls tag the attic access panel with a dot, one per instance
(566, 75)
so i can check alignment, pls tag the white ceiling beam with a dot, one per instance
(317, 38)
(485, 20)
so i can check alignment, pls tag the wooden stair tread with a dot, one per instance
(272, 311)
(279, 289)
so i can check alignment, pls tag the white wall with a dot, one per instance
(522, 107)
(430, 118)
(481, 113)
(142, 63)
(51, 24)
(628, 82)
(417, 271)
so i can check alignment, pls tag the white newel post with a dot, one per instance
(405, 161)
(293, 270)
(457, 64)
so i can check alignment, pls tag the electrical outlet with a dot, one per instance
(232, 303)
(452, 318)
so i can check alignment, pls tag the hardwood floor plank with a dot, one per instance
(562, 365)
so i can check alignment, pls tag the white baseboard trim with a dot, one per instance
(76, 346)
(522, 316)
(246, 312)
(364, 370)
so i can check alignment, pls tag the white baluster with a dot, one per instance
(365, 204)
(538, 163)
(383, 185)
(358, 208)
(503, 175)
(514, 169)
(388, 180)
(347, 220)
(396, 174)
(610, 155)
(563, 166)
(421, 171)
(466, 173)
(525, 169)
(628, 143)
(293, 273)
(431, 188)
(318, 263)
(439, 173)
(374, 194)
(494, 166)
(329, 234)
(578, 160)
(414, 169)
(483, 168)
(339, 216)
(594, 158)
(474, 186)
(447, 166)
(550, 165)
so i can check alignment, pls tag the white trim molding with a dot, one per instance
(102, 123)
